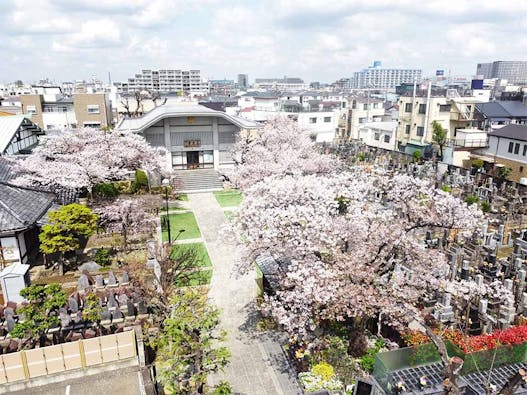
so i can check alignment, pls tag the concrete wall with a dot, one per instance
(29, 364)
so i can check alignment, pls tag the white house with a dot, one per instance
(379, 134)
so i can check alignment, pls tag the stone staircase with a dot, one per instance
(199, 180)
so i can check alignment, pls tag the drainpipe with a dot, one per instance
(427, 113)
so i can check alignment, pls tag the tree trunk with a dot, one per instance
(451, 366)
(61, 264)
(514, 382)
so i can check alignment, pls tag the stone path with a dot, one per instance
(258, 365)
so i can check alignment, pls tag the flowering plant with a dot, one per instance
(423, 381)
(400, 386)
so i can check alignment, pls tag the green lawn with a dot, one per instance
(202, 255)
(228, 198)
(182, 197)
(182, 226)
(201, 277)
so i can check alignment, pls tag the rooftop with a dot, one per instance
(502, 109)
(165, 111)
(21, 207)
(515, 132)
(8, 127)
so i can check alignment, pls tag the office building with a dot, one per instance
(243, 81)
(515, 72)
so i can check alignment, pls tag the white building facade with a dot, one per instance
(195, 137)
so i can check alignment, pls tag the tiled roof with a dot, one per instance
(502, 109)
(5, 170)
(21, 207)
(515, 132)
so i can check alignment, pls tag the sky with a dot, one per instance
(317, 40)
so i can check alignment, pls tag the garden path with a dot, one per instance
(258, 365)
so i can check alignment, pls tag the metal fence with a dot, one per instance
(28, 364)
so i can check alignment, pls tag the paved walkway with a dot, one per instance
(257, 365)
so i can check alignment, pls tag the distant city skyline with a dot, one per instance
(316, 41)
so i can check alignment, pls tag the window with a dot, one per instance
(525, 149)
(511, 147)
(365, 106)
(420, 131)
(312, 120)
(422, 108)
(377, 136)
(517, 148)
(386, 138)
(444, 107)
(327, 119)
(31, 109)
(362, 120)
(407, 129)
(93, 109)
(521, 169)
(92, 124)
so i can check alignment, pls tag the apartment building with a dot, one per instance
(383, 78)
(281, 84)
(361, 110)
(54, 112)
(515, 72)
(165, 81)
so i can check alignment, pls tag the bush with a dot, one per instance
(102, 257)
(106, 189)
(223, 388)
(324, 370)
(477, 163)
(417, 154)
(485, 207)
(335, 352)
(140, 181)
(446, 188)
(471, 199)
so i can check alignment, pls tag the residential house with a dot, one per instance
(507, 147)
(496, 114)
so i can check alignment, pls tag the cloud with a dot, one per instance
(95, 33)
(307, 38)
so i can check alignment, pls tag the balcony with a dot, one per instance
(470, 143)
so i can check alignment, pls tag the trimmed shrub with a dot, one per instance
(102, 257)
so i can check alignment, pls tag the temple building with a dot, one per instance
(196, 137)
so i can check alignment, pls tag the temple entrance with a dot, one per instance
(193, 160)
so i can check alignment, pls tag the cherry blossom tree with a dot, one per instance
(354, 243)
(281, 147)
(80, 159)
(127, 216)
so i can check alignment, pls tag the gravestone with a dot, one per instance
(117, 314)
(122, 299)
(125, 277)
(65, 318)
(83, 283)
(73, 305)
(130, 307)
(111, 303)
(111, 278)
(141, 307)
(99, 281)
(105, 314)
(10, 322)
